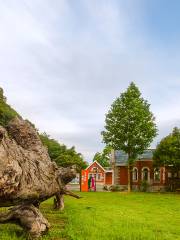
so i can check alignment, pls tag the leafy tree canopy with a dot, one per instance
(129, 124)
(6, 112)
(62, 155)
(104, 157)
(167, 152)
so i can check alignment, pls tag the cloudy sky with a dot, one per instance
(63, 62)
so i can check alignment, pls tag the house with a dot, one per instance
(143, 172)
(102, 176)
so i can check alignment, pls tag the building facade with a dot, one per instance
(143, 172)
(102, 176)
(144, 175)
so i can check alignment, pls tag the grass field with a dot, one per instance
(110, 216)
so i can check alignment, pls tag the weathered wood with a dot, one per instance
(28, 217)
(28, 176)
(59, 201)
(59, 198)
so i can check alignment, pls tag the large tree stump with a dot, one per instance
(28, 176)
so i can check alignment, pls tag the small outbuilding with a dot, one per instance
(102, 176)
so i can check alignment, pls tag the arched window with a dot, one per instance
(145, 174)
(135, 174)
(156, 174)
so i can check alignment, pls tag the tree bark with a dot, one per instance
(59, 201)
(28, 217)
(59, 198)
(129, 178)
(28, 177)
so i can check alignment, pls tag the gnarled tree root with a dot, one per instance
(59, 198)
(29, 218)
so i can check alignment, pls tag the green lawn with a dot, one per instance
(110, 216)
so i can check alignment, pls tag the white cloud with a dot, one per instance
(63, 63)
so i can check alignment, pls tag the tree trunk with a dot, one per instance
(28, 177)
(80, 176)
(129, 178)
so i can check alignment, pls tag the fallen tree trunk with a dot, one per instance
(28, 176)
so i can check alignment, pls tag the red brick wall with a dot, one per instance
(123, 175)
(99, 171)
(108, 178)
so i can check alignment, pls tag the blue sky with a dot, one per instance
(62, 63)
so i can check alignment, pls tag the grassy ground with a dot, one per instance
(110, 216)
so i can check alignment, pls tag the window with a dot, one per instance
(95, 169)
(157, 174)
(145, 174)
(135, 174)
(99, 176)
(169, 174)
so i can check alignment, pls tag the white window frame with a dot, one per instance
(133, 172)
(99, 176)
(159, 171)
(142, 175)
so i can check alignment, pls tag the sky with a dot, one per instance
(63, 63)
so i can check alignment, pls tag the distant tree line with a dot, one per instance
(59, 153)
(167, 152)
(62, 155)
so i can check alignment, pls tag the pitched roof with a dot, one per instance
(97, 164)
(121, 157)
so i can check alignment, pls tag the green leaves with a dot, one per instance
(129, 124)
(104, 157)
(62, 155)
(6, 112)
(168, 151)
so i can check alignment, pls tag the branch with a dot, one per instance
(67, 192)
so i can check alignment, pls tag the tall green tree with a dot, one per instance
(130, 125)
(167, 152)
(62, 155)
(104, 157)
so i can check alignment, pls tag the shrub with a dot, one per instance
(114, 188)
(105, 188)
(144, 186)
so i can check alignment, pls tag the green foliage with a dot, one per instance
(114, 188)
(6, 112)
(62, 155)
(104, 157)
(167, 152)
(129, 124)
(144, 186)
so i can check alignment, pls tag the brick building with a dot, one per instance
(102, 175)
(143, 171)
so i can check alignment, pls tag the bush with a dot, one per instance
(144, 186)
(6, 112)
(105, 188)
(114, 188)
